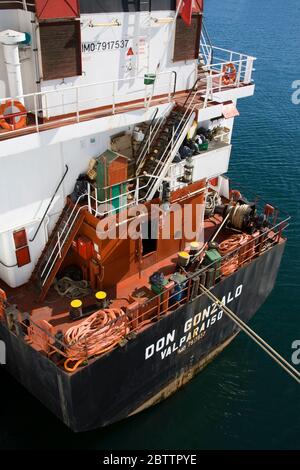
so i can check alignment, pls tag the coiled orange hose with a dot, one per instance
(232, 243)
(230, 265)
(97, 334)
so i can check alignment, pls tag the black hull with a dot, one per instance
(124, 381)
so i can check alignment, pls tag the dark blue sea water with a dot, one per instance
(242, 400)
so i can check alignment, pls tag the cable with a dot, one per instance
(212, 200)
(238, 215)
(254, 336)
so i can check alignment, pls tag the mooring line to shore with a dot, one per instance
(254, 336)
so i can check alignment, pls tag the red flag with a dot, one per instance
(186, 11)
(199, 5)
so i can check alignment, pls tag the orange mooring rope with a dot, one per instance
(231, 244)
(97, 334)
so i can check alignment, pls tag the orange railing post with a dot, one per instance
(132, 311)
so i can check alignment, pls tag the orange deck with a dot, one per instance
(55, 309)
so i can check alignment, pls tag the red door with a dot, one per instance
(55, 9)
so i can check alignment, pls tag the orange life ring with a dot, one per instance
(229, 73)
(19, 117)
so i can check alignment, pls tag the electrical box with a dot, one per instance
(84, 247)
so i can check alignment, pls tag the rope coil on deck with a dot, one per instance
(67, 287)
(97, 334)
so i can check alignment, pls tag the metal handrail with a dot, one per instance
(153, 134)
(207, 37)
(233, 52)
(228, 51)
(75, 87)
(206, 44)
(190, 92)
(157, 302)
(219, 64)
(142, 144)
(175, 81)
(49, 205)
(216, 263)
(215, 71)
(171, 143)
(75, 102)
(243, 62)
(59, 244)
(109, 200)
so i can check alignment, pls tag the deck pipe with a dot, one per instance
(10, 41)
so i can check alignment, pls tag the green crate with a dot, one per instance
(203, 146)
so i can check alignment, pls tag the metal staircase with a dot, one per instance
(57, 246)
(151, 134)
(154, 165)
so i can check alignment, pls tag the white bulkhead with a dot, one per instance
(116, 49)
(122, 53)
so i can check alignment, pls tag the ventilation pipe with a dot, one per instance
(10, 40)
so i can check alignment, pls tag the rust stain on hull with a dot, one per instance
(183, 378)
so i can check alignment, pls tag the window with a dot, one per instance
(60, 49)
(187, 39)
(21, 245)
(17, 4)
(20, 238)
(23, 256)
(149, 230)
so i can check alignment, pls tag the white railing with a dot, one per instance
(243, 70)
(103, 207)
(99, 208)
(76, 103)
(73, 104)
(216, 58)
(62, 237)
(206, 50)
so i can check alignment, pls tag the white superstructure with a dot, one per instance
(71, 118)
